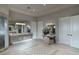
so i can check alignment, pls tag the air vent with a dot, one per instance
(28, 7)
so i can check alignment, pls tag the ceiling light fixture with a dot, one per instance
(20, 24)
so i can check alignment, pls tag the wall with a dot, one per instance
(33, 29)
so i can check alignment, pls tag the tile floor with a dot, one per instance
(39, 47)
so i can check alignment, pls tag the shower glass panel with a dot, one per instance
(2, 32)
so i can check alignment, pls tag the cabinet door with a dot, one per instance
(65, 30)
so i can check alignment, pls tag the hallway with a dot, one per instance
(39, 47)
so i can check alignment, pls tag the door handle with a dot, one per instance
(69, 34)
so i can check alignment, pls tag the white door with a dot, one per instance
(65, 30)
(40, 28)
(69, 31)
(75, 36)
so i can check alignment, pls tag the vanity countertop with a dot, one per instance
(19, 34)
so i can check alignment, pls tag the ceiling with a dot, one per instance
(37, 10)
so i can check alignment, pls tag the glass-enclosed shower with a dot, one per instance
(3, 32)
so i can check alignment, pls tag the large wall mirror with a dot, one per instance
(19, 28)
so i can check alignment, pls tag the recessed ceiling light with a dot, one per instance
(44, 4)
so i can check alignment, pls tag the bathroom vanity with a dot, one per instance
(17, 37)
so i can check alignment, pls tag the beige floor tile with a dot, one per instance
(39, 47)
